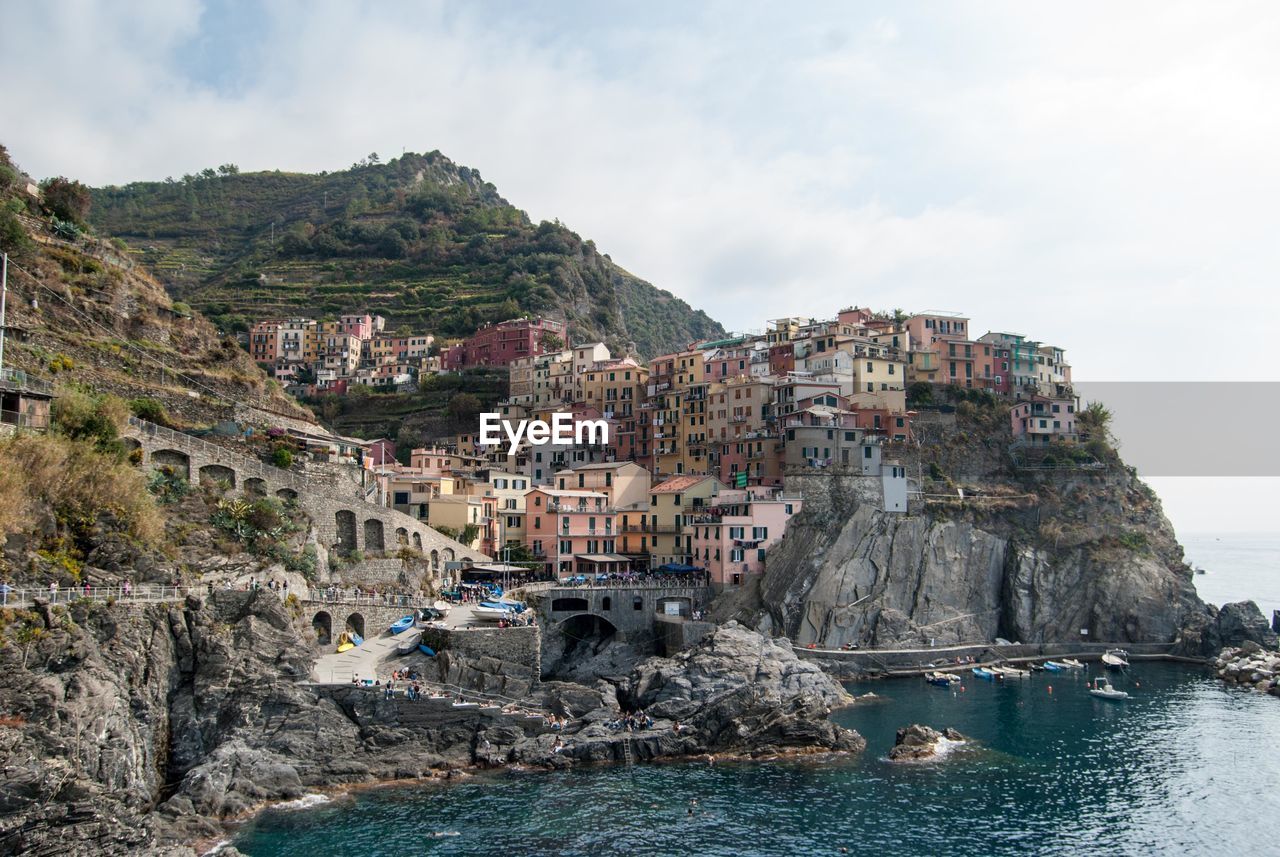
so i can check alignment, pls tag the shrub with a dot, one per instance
(85, 416)
(66, 199)
(167, 485)
(282, 457)
(151, 410)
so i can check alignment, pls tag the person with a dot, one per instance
(128, 588)
(53, 592)
(5, 589)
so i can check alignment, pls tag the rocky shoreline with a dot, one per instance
(1250, 666)
(143, 730)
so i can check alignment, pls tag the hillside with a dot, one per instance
(81, 311)
(419, 239)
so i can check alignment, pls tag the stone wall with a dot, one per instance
(338, 521)
(674, 634)
(506, 661)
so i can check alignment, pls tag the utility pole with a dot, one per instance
(4, 299)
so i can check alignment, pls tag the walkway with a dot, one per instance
(360, 662)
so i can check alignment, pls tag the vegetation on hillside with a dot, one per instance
(421, 240)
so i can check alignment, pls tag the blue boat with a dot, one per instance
(983, 672)
(403, 625)
(1055, 667)
(426, 650)
(356, 639)
(511, 606)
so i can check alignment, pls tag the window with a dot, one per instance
(637, 603)
(759, 532)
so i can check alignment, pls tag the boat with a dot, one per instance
(1115, 659)
(1072, 663)
(356, 639)
(409, 643)
(426, 650)
(1038, 668)
(1056, 666)
(983, 672)
(502, 603)
(942, 679)
(442, 607)
(1011, 672)
(490, 612)
(345, 643)
(402, 625)
(1102, 689)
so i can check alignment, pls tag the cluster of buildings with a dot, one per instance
(311, 357)
(694, 474)
(327, 356)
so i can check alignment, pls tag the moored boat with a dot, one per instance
(490, 612)
(1072, 663)
(409, 643)
(345, 642)
(442, 607)
(1102, 689)
(983, 672)
(402, 625)
(1055, 666)
(942, 679)
(1012, 672)
(426, 650)
(1038, 668)
(1115, 659)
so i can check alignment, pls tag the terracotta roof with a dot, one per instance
(677, 483)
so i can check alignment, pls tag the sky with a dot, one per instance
(1099, 176)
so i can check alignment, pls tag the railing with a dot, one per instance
(143, 592)
(21, 420)
(242, 461)
(21, 380)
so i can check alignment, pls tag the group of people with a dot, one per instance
(518, 620)
(355, 593)
(635, 721)
(637, 578)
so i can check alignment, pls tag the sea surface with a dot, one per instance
(1238, 567)
(1185, 766)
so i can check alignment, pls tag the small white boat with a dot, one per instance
(1115, 659)
(1102, 689)
(1011, 672)
(443, 607)
(942, 679)
(490, 614)
(1072, 663)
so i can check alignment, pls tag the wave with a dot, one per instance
(304, 802)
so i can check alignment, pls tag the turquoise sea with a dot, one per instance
(1185, 766)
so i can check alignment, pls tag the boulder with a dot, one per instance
(916, 743)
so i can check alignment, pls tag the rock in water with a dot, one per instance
(915, 743)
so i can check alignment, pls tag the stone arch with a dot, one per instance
(435, 560)
(402, 537)
(212, 473)
(287, 494)
(355, 622)
(569, 604)
(178, 462)
(447, 555)
(606, 603)
(417, 541)
(255, 486)
(587, 633)
(345, 520)
(373, 538)
(322, 623)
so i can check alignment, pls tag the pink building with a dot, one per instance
(1041, 419)
(730, 537)
(363, 327)
(572, 532)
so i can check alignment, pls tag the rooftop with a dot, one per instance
(678, 483)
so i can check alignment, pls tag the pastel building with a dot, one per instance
(730, 536)
(572, 532)
(1041, 419)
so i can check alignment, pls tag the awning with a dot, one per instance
(602, 557)
(678, 568)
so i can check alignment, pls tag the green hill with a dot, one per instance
(419, 239)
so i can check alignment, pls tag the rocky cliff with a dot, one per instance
(1027, 555)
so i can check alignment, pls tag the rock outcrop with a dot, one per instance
(1088, 550)
(916, 743)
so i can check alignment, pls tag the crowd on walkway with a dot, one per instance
(638, 579)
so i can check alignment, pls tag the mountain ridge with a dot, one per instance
(419, 239)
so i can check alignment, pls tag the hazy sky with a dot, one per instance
(1101, 176)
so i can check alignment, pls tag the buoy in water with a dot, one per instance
(1051, 688)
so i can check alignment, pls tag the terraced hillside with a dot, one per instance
(419, 239)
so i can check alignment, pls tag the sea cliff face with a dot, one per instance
(1035, 561)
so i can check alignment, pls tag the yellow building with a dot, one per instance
(671, 504)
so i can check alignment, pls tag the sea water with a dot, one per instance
(1185, 766)
(1238, 567)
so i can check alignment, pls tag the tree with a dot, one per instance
(229, 170)
(464, 409)
(67, 199)
(1095, 421)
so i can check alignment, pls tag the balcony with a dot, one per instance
(656, 529)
